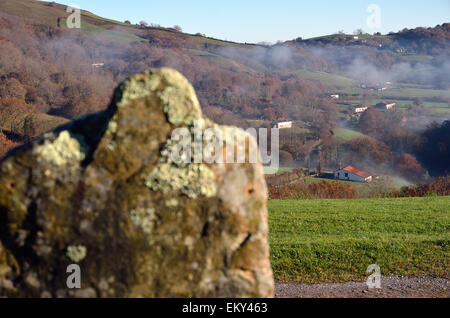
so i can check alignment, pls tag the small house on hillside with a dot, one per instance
(350, 173)
(98, 65)
(281, 124)
(360, 109)
(374, 87)
(335, 96)
(385, 105)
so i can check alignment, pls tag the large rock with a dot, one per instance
(102, 192)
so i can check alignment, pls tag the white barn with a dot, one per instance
(360, 109)
(386, 105)
(281, 125)
(350, 173)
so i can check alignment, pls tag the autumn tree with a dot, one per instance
(372, 122)
(408, 166)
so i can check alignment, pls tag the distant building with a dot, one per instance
(360, 109)
(385, 105)
(97, 65)
(374, 87)
(334, 96)
(281, 124)
(350, 173)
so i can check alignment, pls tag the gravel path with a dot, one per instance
(391, 287)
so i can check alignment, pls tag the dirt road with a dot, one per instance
(391, 287)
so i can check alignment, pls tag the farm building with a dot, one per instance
(385, 105)
(360, 109)
(281, 124)
(352, 174)
(374, 87)
(334, 96)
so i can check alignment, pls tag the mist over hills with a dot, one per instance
(50, 74)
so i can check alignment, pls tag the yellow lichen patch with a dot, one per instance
(112, 127)
(143, 218)
(180, 103)
(76, 253)
(172, 203)
(138, 86)
(194, 180)
(172, 97)
(64, 149)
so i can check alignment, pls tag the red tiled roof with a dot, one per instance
(357, 172)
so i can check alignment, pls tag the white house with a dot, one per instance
(352, 174)
(360, 109)
(386, 105)
(282, 124)
(334, 96)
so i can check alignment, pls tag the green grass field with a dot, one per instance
(398, 93)
(327, 78)
(347, 134)
(284, 170)
(316, 241)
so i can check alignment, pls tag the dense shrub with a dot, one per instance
(439, 187)
(318, 190)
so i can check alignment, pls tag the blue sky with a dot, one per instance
(271, 20)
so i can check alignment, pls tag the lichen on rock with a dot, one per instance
(143, 219)
(104, 190)
(64, 149)
(135, 87)
(194, 180)
(76, 253)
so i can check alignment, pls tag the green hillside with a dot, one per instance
(347, 134)
(47, 13)
(328, 78)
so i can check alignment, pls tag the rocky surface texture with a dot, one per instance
(102, 192)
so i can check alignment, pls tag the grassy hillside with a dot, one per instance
(327, 78)
(399, 93)
(347, 134)
(335, 240)
(47, 13)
